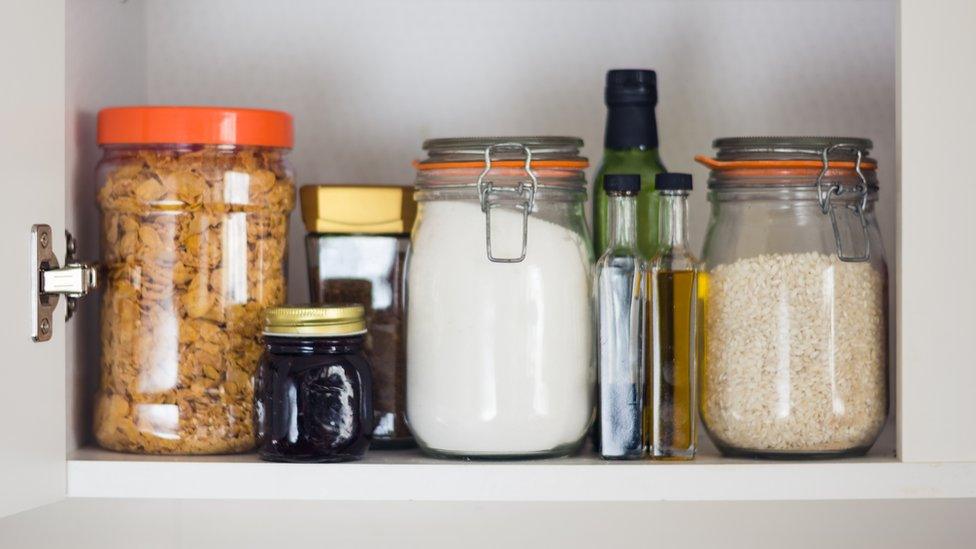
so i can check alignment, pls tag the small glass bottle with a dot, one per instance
(674, 316)
(620, 325)
(314, 390)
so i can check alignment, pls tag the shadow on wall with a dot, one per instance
(84, 345)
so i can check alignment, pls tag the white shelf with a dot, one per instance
(408, 476)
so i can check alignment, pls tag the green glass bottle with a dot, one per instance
(630, 146)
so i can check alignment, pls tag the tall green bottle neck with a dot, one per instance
(626, 157)
(631, 126)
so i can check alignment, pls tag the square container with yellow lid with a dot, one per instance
(358, 209)
(357, 242)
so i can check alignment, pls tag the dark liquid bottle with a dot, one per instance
(630, 147)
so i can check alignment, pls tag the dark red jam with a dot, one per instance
(314, 399)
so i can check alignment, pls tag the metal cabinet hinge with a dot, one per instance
(50, 281)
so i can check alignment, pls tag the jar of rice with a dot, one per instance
(795, 362)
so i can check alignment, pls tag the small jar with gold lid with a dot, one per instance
(314, 387)
(357, 242)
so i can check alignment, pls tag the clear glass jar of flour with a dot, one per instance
(499, 316)
(795, 362)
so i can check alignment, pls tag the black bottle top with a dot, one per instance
(627, 184)
(672, 181)
(631, 95)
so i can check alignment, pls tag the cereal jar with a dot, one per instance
(195, 204)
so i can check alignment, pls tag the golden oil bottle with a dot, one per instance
(674, 297)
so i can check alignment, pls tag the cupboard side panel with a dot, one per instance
(937, 258)
(32, 391)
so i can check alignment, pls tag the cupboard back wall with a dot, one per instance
(368, 81)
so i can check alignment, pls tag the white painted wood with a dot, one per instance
(407, 476)
(937, 259)
(210, 524)
(32, 394)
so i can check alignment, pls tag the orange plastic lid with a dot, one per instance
(195, 125)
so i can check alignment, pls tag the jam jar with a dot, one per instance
(314, 386)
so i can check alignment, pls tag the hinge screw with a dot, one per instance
(45, 239)
(45, 326)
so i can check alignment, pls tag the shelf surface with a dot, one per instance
(408, 475)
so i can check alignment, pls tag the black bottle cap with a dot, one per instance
(631, 87)
(631, 95)
(672, 181)
(622, 183)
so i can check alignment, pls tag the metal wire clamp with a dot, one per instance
(523, 195)
(825, 193)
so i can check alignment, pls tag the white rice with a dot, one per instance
(796, 354)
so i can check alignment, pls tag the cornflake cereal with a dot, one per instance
(796, 357)
(194, 247)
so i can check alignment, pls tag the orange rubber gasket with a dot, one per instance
(573, 164)
(716, 164)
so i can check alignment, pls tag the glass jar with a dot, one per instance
(500, 321)
(195, 204)
(356, 246)
(795, 361)
(314, 387)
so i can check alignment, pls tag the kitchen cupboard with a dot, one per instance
(367, 83)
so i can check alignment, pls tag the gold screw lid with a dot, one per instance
(315, 320)
(358, 209)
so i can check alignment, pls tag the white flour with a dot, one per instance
(499, 356)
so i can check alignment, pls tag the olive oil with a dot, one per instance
(674, 311)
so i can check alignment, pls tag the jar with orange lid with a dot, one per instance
(795, 361)
(195, 204)
(500, 358)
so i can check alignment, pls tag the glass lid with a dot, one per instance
(472, 149)
(793, 148)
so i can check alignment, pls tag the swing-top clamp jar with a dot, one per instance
(795, 361)
(498, 289)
